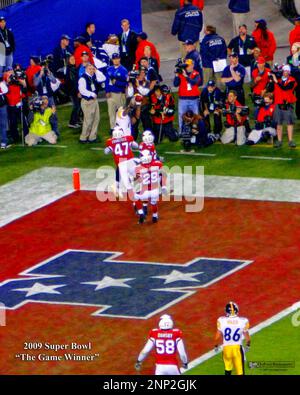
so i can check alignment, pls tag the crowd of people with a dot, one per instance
(211, 77)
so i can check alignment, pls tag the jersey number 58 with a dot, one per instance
(165, 346)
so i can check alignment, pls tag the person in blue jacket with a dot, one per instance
(213, 47)
(187, 24)
(239, 9)
(192, 53)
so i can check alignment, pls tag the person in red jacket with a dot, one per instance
(30, 72)
(142, 43)
(265, 126)
(197, 3)
(162, 112)
(260, 76)
(79, 45)
(284, 88)
(265, 40)
(294, 36)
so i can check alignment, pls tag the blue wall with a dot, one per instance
(38, 24)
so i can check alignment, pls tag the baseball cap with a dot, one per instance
(115, 56)
(233, 55)
(261, 60)
(189, 61)
(2, 18)
(65, 36)
(286, 67)
(261, 21)
(211, 83)
(189, 42)
(296, 19)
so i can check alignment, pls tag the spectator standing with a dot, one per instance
(60, 57)
(128, 45)
(142, 43)
(90, 29)
(8, 41)
(294, 35)
(243, 45)
(293, 61)
(115, 87)
(188, 82)
(285, 98)
(187, 24)
(80, 46)
(240, 10)
(89, 85)
(71, 84)
(213, 50)
(3, 115)
(265, 40)
(233, 77)
(192, 53)
(33, 68)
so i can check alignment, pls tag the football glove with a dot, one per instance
(138, 365)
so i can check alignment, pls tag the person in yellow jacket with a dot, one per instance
(232, 330)
(39, 119)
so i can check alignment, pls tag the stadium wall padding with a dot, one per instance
(38, 24)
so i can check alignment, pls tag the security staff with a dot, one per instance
(7, 39)
(243, 45)
(89, 85)
(188, 23)
(233, 77)
(60, 57)
(213, 48)
(115, 87)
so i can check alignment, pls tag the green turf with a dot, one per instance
(18, 161)
(278, 342)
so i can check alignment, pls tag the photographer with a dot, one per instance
(3, 114)
(151, 75)
(265, 126)
(236, 117)
(115, 87)
(194, 132)
(46, 84)
(17, 106)
(40, 119)
(260, 76)
(139, 85)
(212, 103)
(284, 88)
(188, 80)
(162, 112)
(233, 77)
(294, 62)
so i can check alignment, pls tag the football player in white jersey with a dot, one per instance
(232, 330)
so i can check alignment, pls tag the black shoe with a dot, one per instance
(154, 220)
(141, 219)
(82, 141)
(93, 141)
(145, 209)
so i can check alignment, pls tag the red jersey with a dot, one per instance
(266, 111)
(149, 175)
(121, 148)
(149, 147)
(230, 118)
(262, 84)
(165, 345)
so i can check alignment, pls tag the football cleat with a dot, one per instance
(141, 219)
(145, 209)
(231, 309)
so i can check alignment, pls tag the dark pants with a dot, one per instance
(14, 119)
(297, 93)
(146, 118)
(74, 119)
(164, 130)
(127, 61)
(218, 126)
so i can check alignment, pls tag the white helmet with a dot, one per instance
(147, 137)
(117, 132)
(146, 157)
(165, 322)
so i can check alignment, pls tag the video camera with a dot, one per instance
(133, 74)
(180, 66)
(277, 71)
(17, 75)
(35, 103)
(46, 62)
(233, 108)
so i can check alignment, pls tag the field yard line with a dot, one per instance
(189, 153)
(44, 145)
(264, 157)
(97, 149)
(252, 331)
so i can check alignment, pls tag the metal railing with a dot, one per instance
(6, 3)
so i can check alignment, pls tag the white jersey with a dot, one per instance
(233, 329)
(124, 122)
